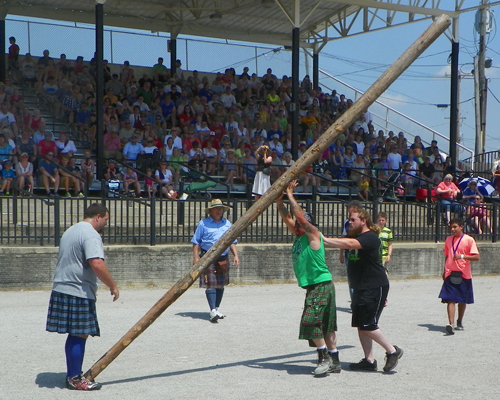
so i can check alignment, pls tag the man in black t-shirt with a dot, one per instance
(370, 288)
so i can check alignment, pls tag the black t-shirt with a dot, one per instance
(427, 170)
(365, 268)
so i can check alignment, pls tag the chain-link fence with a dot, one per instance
(143, 49)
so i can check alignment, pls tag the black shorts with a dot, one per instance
(367, 305)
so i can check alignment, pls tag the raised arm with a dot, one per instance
(285, 215)
(310, 230)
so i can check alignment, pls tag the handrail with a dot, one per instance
(445, 138)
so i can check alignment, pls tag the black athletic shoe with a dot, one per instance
(335, 366)
(459, 326)
(391, 360)
(449, 329)
(364, 365)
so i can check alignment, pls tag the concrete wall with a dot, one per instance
(162, 266)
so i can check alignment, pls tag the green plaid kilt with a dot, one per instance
(320, 312)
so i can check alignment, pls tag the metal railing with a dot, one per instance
(33, 221)
(387, 118)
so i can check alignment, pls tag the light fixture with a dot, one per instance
(216, 17)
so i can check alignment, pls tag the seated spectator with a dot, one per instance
(321, 171)
(358, 169)
(407, 179)
(65, 146)
(87, 166)
(471, 192)
(276, 167)
(150, 146)
(426, 171)
(338, 166)
(248, 166)
(174, 134)
(8, 175)
(111, 172)
(478, 214)
(447, 193)
(164, 175)
(187, 117)
(24, 173)
(259, 131)
(227, 98)
(364, 188)
(48, 172)
(113, 146)
(229, 169)
(6, 150)
(276, 145)
(131, 181)
(68, 176)
(7, 119)
(132, 149)
(211, 158)
(28, 69)
(48, 143)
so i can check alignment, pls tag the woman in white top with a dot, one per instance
(24, 172)
(241, 132)
(65, 146)
(168, 149)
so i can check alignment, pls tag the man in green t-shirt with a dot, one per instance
(319, 319)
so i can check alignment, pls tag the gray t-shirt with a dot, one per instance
(73, 274)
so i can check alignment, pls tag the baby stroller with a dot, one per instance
(198, 186)
(393, 188)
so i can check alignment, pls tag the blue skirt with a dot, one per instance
(462, 293)
(73, 315)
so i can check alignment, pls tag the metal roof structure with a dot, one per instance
(256, 21)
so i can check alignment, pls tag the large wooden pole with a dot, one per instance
(346, 120)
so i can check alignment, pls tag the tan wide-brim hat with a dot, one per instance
(216, 203)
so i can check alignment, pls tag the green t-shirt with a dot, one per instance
(309, 265)
(174, 161)
(385, 237)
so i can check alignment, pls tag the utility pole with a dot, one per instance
(483, 28)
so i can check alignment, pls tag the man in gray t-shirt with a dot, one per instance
(72, 302)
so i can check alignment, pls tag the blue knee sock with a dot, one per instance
(75, 350)
(218, 297)
(210, 293)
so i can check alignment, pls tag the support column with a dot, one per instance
(3, 65)
(294, 107)
(99, 48)
(315, 69)
(173, 55)
(454, 112)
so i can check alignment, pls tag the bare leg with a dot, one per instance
(366, 338)
(461, 311)
(451, 312)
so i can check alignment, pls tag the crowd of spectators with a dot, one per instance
(191, 122)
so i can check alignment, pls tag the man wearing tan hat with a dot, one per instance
(208, 232)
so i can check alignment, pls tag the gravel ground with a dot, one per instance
(254, 353)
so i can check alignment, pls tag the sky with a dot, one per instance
(358, 61)
(426, 83)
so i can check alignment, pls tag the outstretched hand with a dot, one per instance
(291, 186)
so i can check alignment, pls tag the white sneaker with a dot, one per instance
(214, 316)
(219, 314)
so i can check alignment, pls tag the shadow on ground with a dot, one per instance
(51, 380)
